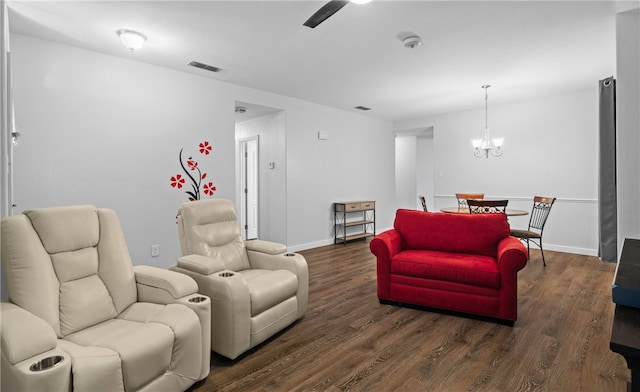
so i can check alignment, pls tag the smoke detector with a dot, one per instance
(412, 42)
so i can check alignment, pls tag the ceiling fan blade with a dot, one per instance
(325, 12)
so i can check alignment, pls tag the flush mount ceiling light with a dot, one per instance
(412, 42)
(131, 39)
(485, 146)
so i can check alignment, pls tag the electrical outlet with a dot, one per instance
(155, 250)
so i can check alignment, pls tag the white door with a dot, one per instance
(250, 187)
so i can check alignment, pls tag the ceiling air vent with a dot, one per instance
(362, 108)
(204, 66)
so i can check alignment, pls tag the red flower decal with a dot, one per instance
(205, 148)
(209, 189)
(177, 181)
(192, 178)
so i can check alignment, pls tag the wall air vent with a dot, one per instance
(205, 66)
(364, 108)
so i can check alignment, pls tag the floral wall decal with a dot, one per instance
(194, 175)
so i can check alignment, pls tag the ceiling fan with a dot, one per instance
(329, 9)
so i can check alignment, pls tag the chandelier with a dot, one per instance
(485, 146)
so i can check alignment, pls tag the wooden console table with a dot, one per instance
(354, 220)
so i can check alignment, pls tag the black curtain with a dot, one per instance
(607, 204)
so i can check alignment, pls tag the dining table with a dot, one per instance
(465, 210)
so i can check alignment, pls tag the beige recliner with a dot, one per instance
(80, 317)
(256, 287)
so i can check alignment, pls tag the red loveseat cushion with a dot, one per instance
(457, 233)
(473, 270)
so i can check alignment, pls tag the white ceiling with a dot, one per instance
(523, 49)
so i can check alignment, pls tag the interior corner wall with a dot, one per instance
(628, 124)
(549, 150)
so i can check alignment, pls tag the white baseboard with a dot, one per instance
(569, 249)
(310, 245)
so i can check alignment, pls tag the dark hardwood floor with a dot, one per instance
(347, 341)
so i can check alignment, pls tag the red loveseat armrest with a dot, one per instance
(512, 257)
(384, 246)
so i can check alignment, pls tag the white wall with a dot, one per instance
(355, 163)
(406, 169)
(628, 124)
(5, 110)
(550, 150)
(105, 130)
(424, 171)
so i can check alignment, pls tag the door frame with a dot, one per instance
(246, 183)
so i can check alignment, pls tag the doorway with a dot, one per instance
(249, 186)
(260, 132)
(415, 167)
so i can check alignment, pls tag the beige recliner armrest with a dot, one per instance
(158, 285)
(274, 256)
(162, 286)
(200, 264)
(30, 359)
(268, 247)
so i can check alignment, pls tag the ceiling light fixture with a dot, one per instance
(360, 1)
(132, 40)
(412, 42)
(484, 147)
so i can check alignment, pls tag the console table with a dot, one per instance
(625, 333)
(354, 220)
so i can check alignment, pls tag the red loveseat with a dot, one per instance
(456, 262)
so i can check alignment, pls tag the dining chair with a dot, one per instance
(539, 214)
(463, 197)
(487, 206)
(424, 203)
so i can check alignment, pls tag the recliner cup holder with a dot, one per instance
(46, 363)
(197, 300)
(225, 274)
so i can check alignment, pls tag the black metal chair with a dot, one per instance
(539, 214)
(424, 203)
(487, 206)
(462, 198)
